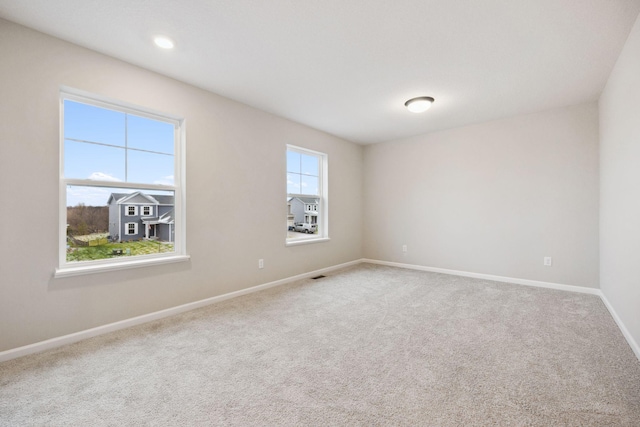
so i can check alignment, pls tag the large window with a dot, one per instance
(121, 186)
(307, 201)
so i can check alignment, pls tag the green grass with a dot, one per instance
(141, 247)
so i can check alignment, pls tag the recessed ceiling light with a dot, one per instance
(419, 104)
(163, 42)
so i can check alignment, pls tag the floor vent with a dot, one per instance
(318, 277)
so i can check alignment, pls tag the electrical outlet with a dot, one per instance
(404, 248)
(260, 263)
(547, 261)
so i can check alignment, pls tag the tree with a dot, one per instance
(84, 219)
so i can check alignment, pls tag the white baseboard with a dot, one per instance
(621, 326)
(571, 288)
(526, 282)
(100, 330)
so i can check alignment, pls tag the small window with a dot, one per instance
(118, 161)
(307, 199)
(131, 228)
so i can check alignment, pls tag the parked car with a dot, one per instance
(305, 227)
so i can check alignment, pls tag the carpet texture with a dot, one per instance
(368, 345)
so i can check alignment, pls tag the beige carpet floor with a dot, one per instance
(368, 345)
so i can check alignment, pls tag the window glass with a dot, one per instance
(118, 179)
(150, 135)
(309, 185)
(309, 165)
(84, 122)
(92, 161)
(293, 162)
(150, 168)
(306, 197)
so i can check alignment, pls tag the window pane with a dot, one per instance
(306, 214)
(309, 165)
(91, 161)
(95, 124)
(310, 185)
(88, 196)
(293, 162)
(149, 168)
(97, 227)
(293, 183)
(110, 146)
(148, 134)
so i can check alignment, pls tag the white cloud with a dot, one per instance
(101, 176)
(167, 180)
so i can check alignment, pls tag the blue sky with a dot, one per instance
(302, 174)
(113, 146)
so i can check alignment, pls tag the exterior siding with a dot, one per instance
(297, 208)
(127, 219)
(118, 219)
(113, 221)
(165, 232)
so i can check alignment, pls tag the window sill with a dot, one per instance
(297, 242)
(115, 266)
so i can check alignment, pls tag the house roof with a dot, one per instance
(160, 199)
(166, 218)
(307, 199)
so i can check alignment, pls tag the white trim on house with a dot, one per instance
(129, 208)
(133, 195)
(127, 228)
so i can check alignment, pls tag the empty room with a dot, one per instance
(320, 213)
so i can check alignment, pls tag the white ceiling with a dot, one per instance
(347, 66)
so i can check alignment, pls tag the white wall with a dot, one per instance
(236, 211)
(493, 198)
(620, 186)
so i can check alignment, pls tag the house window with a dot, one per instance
(131, 228)
(118, 161)
(307, 196)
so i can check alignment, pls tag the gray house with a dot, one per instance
(304, 209)
(136, 216)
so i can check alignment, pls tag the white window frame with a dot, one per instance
(127, 208)
(145, 208)
(323, 198)
(127, 226)
(66, 269)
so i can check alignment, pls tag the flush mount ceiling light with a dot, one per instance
(163, 42)
(419, 104)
